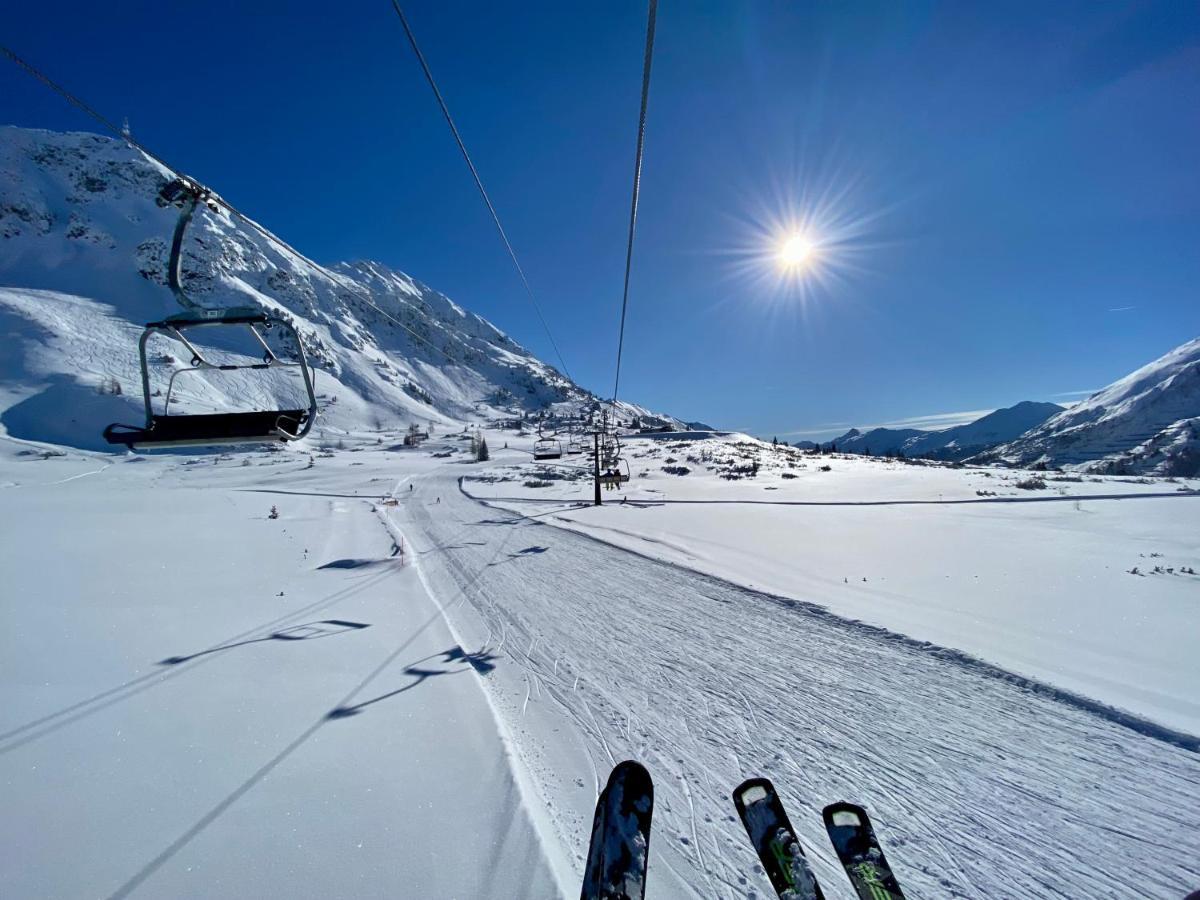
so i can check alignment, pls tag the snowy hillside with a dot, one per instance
(1145, 423)
(83, 251)
(954, 443)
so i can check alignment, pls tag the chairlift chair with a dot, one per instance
(167, 430)
(547, 448)
(617, 473)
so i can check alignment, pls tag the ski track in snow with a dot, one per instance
(981, 787)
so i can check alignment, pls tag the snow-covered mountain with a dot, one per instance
(83, 251)
(954, 443)
(877, 441)
(1145, 423)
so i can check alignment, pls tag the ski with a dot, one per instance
(775, 841)
(620, 849)
(854, 840)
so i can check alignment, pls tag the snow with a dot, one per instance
(186, 656)
(1035, 581)
(216, 738)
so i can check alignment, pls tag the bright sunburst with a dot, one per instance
(800, 238)
(796, 251)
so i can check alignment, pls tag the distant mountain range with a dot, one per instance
(1145, 423)
(957, 443)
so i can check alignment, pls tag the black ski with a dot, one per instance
(854, 840)
(775, 841)
(620, 850)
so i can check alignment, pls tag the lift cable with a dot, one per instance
(637, 184)
(478, 182)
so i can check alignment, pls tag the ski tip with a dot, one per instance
(845, 815)
(752, 790)
(631, 772)
(631, 765)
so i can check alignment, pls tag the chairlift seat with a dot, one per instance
(211, 428)
(230, 315)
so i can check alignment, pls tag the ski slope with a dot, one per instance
(1084, 582)
(199, 701)
(431, 705)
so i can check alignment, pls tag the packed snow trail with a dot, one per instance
(980, 788)
(197, 700)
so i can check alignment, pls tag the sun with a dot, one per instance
(796, 251)
(803, 236)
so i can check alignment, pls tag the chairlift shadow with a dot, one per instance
(481, 661)
(516, 520)
(353, 563)
(306, 632)
(36, 729)
(520, 554)
(459, 546)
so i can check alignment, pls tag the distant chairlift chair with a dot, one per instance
(547, 448)
(616, 474)
(213, 428)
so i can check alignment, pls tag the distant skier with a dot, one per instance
(439, 499)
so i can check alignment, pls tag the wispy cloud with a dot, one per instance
(931, 422)
(1122, 308)
(816, 430)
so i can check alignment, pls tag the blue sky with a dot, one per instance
(1004, 196)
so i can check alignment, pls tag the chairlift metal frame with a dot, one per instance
(213, 428)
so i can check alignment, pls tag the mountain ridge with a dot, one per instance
(1147, 423)
(951, 444)
(78, 219)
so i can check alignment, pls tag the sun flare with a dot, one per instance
(796, 251)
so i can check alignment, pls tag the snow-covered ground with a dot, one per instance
(1037, 580)
(200, 700)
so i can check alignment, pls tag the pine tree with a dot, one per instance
(481, 454)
